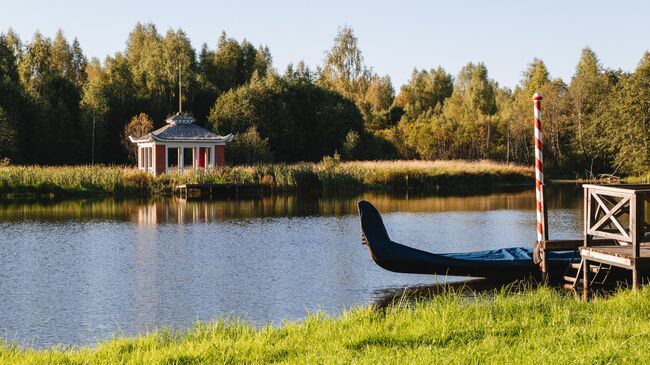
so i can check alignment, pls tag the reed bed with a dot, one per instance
(531, 326)
(329, 175)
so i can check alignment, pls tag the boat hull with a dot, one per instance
(513, 262)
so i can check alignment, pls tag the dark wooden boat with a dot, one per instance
(513, 262)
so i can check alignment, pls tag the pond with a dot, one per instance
(73, 272)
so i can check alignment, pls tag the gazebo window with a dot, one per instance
(145, 157)
(172, 157)
(150, 157)
(188, 157)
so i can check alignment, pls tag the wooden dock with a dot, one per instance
(616, 235)
(209, 191)
(616, 212)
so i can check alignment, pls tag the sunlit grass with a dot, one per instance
(329, 174)
(532, 326)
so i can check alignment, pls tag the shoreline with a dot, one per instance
(519, 323)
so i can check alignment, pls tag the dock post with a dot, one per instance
(586, 243)
(542, 228)
(585, 280)
(637, 221)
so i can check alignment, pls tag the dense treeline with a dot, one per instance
(53, 99)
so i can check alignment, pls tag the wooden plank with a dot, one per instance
(563, 245)
(620, 188)
(605, 258)
(609, 235)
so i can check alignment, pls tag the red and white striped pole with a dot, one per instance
(542, 229)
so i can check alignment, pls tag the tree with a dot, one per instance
(535, 77)
(302, 121)
(589, 87)
(178, 52)
(139, 125)
(7, 137)
(230, 65)
(79, 62)
(344, 69)
(471, 108)
(53, 121)
(94, 109)
(626, 112)
(376, 105)
(380, 93)
(12, 97)
(249, 148)
(350, 145)
(35, 67)
(426, 91)
(146, 63)
(62, 56)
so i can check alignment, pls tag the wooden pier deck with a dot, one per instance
(202, 191)
(619, 256)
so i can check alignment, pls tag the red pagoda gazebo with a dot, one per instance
(179, 146)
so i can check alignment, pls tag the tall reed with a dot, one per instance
(330, 175)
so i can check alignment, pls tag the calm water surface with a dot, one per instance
(74, 272)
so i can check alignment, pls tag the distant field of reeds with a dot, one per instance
(522, 326)
(328, 175)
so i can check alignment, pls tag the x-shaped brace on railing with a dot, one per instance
(610, 214)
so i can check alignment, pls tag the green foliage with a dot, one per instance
(7, 136)
(351, 145)
(344, 69)
(248, 148)
(301, 120)
(589, 87)
(628, 118)
(513, 325)
(54, 98)
(139, 125)
(425, 92)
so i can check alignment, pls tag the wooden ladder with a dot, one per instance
(599, 276)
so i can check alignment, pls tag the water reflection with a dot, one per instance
(178, 210)
(76, 271)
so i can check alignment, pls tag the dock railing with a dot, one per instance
(616, 212)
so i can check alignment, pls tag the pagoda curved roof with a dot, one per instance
(181, 128)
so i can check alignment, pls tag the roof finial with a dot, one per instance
(180, 95)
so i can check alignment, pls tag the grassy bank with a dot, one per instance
(328, 175)
(534, 327)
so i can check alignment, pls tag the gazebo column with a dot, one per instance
(181, 159)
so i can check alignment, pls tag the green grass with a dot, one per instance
(533, 326)
(328, 175)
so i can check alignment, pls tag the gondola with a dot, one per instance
(512, 262)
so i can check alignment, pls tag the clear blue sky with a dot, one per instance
(395, 36)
